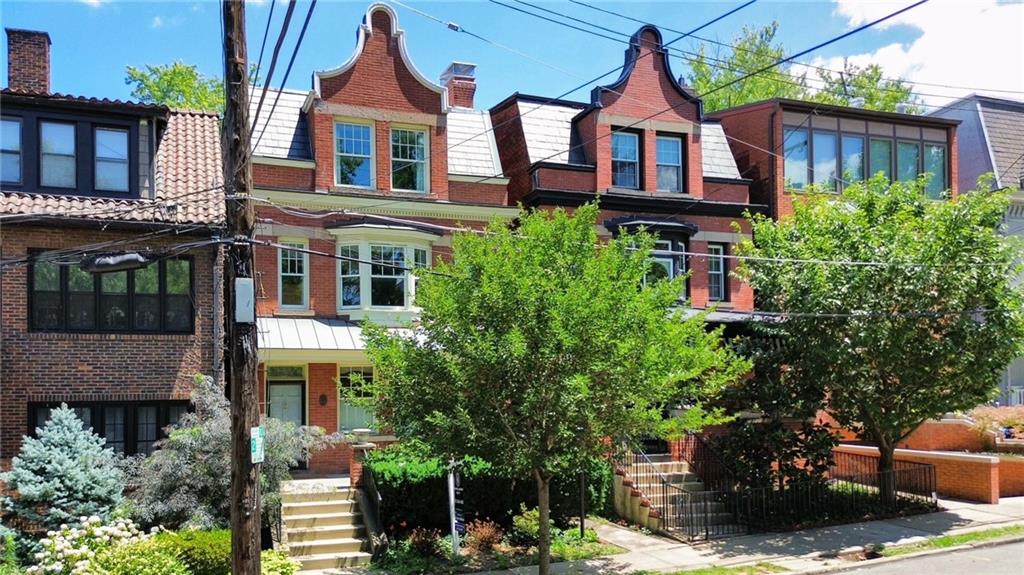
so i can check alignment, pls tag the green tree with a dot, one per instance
(62, 474)
(878, 93)
(537, 345)
(755, 48)
(177, 85)
(927, 331)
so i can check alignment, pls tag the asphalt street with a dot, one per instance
(995, 560)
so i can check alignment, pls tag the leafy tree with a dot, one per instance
(63, 474)
(755, 47)
(177, 85)
(186, 481)
(879, 93)
(927, 331)
(535, 346)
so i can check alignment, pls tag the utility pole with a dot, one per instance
(240, 367)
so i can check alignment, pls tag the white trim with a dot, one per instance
(930, 454)
(383, 233)
(493, 144)
(286, 162)
(379, 204)
(373, 150)
(496, 180)
(366, 29)
(426, 159)
(304, 244)
(988, 143)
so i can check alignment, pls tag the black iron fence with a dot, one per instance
(852, 489)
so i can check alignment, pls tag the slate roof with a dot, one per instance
(188, 164)
(1004, 123)
(471, 147)
(549, 134)
(286, 134)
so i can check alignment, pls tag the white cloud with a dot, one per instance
(972, 43)
(158, 22)
(94, 3)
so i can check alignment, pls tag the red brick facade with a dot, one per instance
(79, 367)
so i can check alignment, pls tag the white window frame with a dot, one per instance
(16, 150)
(295, 243)
(425, 161)
(358, 275)
(639, 174)
(716, 252)
(678, 140)
(372, 157)
(364, 239)
(97, 158)
(342, 403)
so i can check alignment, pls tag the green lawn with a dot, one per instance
(758, 569)
(945, 541)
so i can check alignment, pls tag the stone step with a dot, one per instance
(323, 519)
(333, 560)
(317, 507)
(308, 534)
(341, 494)
(689, 486)
(659, 457)
(326, 546)
(672, 477)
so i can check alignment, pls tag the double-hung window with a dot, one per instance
(625, 160)
(129, 428)
(57, 167)
(670, 164)
(353, 159)
(717, 290)
(111, 147)
(797, 156)
(387, 276)
(409, 160)
(156, 298)
(351, 382)
(348, 276)
(293, 284)
(10, 151)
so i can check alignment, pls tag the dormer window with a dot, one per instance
(57, 155)
(409, 160)
(353, 160)
(625, 160)
(670, 164)
(10, 148)
(111, 160)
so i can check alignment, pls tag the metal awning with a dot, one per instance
(308, 334)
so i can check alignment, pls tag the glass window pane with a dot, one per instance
(825, 160)
(352, 417)
(111, 176)
(81, 299)
(795, 166)
(178, 313)
(353, 148)
(670, 164)
(114, 301)
(716, 273)
(408, 160)
(669, 178)
(624, 146)
(10, 135)
(112, 144)
(387, 282)
(45, 276)
(881, 157)
(57, 147)
(146, 300)
(670, 151)
(853, 158)
(47, 307)
(10, 167)
(907, 159)
(175, 412)
(348, 272)
(84, 415)
(10, 144)
(113, 428)
(286, 373)
(179, 276)
(145, 428)
(625, 162)
(935, 164)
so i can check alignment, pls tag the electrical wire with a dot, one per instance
(273, 62)
(263, 44)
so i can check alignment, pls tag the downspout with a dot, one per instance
(218, 293)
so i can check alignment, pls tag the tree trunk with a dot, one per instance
(887, 474)
(544, 506)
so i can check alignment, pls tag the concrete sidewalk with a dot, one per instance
(806, 550)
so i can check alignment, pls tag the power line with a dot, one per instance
(263, 44)
(303, 250)
(273, 62)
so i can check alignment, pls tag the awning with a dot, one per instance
(301, 339)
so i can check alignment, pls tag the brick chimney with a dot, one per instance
(460, 79)
(28, 61)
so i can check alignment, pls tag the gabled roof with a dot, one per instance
(282, 134)
(58, 100)
(1004, 124)
(549, 133)
(188, 178)
(471, 147)
(366, 29)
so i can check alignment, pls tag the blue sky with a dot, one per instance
(94, 40)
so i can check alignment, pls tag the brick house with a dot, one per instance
(642, 147)
(359, 179)
(785, 145)
(83, 177)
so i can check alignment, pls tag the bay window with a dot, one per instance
(378, 274)
(156, 298)
(670, 164)
(409, 160)
(625, 160)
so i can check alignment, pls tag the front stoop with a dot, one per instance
(323, 527)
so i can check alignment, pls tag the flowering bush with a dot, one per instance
(71, 550)
(141, 558)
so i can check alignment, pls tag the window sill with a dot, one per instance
(294, 313)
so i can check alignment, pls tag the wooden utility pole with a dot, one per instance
(240, 367)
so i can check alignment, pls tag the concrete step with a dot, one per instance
(652, 487)
(327, 532)
(318, 507)
(323, 519)
(333, 560)
(670, 476)
(341, 494)
(659, 457)
(326, 546)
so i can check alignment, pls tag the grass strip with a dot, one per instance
(945, 541)
(757, 569)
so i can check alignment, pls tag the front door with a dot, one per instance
(286, 402)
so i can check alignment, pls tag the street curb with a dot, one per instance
(925, 553)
